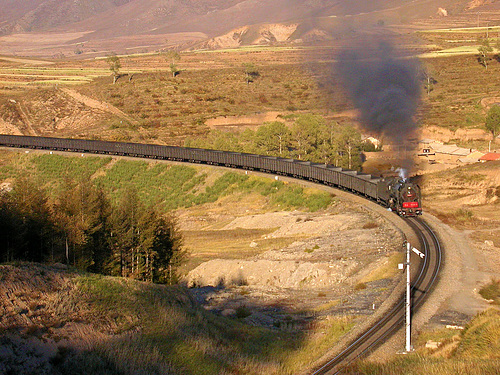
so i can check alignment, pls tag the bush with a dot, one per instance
(463, 214)
(491, 291)
(360, 286)
(242, 312)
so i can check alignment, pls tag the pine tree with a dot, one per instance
(125, 233)
(31, 219)
(82, 213)
(168, 251)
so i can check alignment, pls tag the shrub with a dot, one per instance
(360, 286)
(463, 214)
(370, 225)
(242, 312)
(491, 291)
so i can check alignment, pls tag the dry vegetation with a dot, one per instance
(123, 332)
(158, 107)
(56, 321)
(462, 84)
(475, 350)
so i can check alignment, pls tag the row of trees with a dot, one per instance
(81, 227)
(114, 62)
(310, 138)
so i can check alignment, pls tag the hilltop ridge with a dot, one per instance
(126, 26)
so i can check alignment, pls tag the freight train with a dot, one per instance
(398, 195)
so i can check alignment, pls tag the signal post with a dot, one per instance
(409, 248)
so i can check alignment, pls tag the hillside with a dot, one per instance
(58, 321)
(91, 28)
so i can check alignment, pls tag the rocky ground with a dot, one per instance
(340, 261)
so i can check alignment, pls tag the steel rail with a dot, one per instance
(391, 322)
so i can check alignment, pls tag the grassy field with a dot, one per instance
(176, 333)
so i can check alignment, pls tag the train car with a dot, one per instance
(400, 196)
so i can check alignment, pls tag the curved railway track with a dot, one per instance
(361, 184)
(423, 281)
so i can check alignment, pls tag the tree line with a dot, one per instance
(80, 225)
(309, 138)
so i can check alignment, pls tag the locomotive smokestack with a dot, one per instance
(384, 86)
(402, 173)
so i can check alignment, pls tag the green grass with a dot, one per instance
(52, 167)
(163, 185)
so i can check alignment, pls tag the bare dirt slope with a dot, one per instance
(97, 27)
(325, 253)
(53, 111)
(98, 105)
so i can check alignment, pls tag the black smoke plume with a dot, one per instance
(384, 86)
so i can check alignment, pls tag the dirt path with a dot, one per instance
(27, 122)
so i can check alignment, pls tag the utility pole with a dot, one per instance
(409, 248)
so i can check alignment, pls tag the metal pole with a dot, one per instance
(408, 302)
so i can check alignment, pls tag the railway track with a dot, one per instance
(423, 281)
(361, 184)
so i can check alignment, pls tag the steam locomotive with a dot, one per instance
(398, 194)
